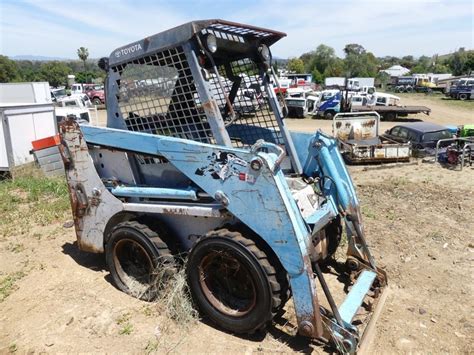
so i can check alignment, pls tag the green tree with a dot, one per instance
(358, 62)
(423, 65)
(55, 73)
(408, 61)
(83, 54)
(318, 78)
(354, 49)
(336, 68)
(295, 65)
(8, 70)
(461, 62)
(469, 64)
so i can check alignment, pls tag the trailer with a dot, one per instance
(20, 124)
(390, 113)
(360, 142)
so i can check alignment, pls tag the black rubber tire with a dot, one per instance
(154, 253)
(329, 115)
(463, 97)
(389, 116)
(267, 291)
(96, 101)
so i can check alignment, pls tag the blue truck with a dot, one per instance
(463, 89)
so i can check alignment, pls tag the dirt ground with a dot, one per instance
(419, 220)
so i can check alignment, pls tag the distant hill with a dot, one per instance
(38, 58)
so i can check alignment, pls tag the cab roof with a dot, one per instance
(180, 34)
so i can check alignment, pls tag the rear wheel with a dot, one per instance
(233, 282)
(390, 116)
(138, 260)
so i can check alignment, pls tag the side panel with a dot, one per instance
(3, 146)
(25, 127)
(41, 92)
(22, 132)
(45, 124)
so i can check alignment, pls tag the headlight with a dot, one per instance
(264, 53)
(211, 43)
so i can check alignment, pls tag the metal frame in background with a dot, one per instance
(469, 140)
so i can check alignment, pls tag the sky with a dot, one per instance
(56, 28)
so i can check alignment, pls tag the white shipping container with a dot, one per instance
(31, 92)
(20, 124)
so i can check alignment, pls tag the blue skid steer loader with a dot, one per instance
(196, 160)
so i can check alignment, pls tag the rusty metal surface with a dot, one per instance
(91, 203)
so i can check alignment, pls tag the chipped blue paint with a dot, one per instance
(356, 296)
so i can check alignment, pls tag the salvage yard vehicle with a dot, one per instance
(389, 108)
(300, 107)
(256, 209)
(422, 136)
(95, 92)
(386, 105)
(462, 90)
(360, 142)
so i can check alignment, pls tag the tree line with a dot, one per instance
(54, 72)
(358, 62)
(321, 63)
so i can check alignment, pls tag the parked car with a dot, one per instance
(423, 136)
(58, 93)
(93, 91)
(77, 100)
(81, 114)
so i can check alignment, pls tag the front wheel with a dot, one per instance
(329, 115)
(96, 101)
(233, 282)
(463, 97)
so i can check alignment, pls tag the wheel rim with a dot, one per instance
(227, 283)
(133, 264)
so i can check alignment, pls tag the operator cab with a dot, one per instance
(207, 81)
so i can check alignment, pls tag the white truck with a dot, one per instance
(356, 84)
(353, 84)
(335, 82)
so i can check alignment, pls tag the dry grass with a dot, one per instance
(174, 297)
(31, 198)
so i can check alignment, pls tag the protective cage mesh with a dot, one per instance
(157, 95)
(253, 117)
